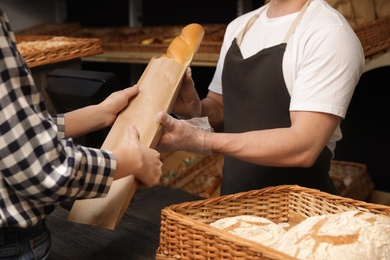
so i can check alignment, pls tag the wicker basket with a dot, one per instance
(201, 175)
(185, 232)
(176, 165)
(194, 173)
(76, 48)
(374, 36)
(204, 178)
(351, 179)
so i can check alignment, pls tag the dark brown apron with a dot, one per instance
(255, 97)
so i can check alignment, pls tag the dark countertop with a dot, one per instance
(135, 237)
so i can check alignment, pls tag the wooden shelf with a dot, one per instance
(200, 59)
(136, 45)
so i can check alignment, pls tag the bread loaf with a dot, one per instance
(350, 235)
(184, 46)
(258, 229)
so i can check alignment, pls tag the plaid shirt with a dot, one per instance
(40, 167)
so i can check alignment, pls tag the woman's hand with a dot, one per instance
(116, 102)
(138, 160)
(95, 117)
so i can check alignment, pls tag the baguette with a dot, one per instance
(158, 88)
(182, 49)
(184, 46)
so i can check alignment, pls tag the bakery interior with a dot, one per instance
(130, 33)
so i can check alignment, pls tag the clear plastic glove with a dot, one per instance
(188, 103)
(193, 135)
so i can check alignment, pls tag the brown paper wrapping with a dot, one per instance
(158, 89)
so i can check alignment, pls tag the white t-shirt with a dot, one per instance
(322, 64)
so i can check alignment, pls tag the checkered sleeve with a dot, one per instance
(39, 166)
(59, 120)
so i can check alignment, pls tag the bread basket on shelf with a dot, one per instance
(374, 36)
(201, 175)
(38, 50)
(185, 232)
(351, 179)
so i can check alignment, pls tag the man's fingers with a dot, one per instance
(164, 119)
(160, 117)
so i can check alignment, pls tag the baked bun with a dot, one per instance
(184, 46)
(350, 235)
(254, 228)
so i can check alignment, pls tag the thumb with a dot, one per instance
(133, 133)
(131, 91)
(164, 119)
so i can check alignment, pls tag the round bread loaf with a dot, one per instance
(258, 229)
(350, 235)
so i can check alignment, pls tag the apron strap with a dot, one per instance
(291, 30)
(296, 21)
(240, 36)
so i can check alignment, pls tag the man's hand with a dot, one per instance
(189, 135)
(187, 104)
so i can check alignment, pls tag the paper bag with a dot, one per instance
(158, 90)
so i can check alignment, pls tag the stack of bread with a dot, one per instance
(349, 235)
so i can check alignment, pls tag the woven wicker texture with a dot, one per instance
(186, 234)
(201, 175)
(194, 173)
(374, 36)
(351, 179)
(74, 48)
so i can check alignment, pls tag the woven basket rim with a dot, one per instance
(228, 237)
(377, 208)
(176, 213)
(78, 48)
(374, 36)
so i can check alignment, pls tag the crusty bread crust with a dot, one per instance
(184, 46)
(351, 235)
(258, 229)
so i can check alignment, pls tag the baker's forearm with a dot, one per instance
(295, 146)
(264, 147)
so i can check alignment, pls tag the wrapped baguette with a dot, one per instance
(158, 89)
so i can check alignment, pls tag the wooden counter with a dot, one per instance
(136, 237)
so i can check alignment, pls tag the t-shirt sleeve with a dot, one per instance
(329, 70)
